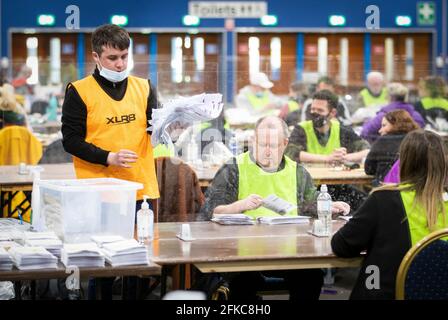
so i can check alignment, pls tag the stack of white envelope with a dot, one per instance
(102, 240)
(126, 252)
(185, 111)
(5, 260)
(28, 258)
(53, 246)
(82, 255)
(236, 218)
(48, 240)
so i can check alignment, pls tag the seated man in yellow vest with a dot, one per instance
(257, 98)
(375, 95)
(323, 139)
(240, 186)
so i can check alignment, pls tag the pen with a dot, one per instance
(20, 216)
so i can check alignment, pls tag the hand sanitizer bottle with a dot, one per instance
(145, 222)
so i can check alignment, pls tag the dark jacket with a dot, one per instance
(382, 155)
(379, 227)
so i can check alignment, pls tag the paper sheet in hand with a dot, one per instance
(186, 111)
(278, 205)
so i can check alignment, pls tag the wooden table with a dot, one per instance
(10, 179)
(223, 248)
(333, 176)
(107, 271)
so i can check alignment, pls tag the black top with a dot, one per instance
(224, 190)
(381, 229)
(431, 114)
(382, 155)
(74, 118)
(349, 140)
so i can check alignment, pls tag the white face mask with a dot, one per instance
(111, 75)
(114, 76)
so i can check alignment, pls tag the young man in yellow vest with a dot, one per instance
(240, 186)
(105, 117)
(323, 139)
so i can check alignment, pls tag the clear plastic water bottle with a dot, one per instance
(145, 222)
(233, 145)
(324, 210)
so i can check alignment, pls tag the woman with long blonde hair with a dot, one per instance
(396, 217)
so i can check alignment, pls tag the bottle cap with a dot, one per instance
(323, 188)
(145, 205)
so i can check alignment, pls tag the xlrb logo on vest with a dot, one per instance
(123, 120)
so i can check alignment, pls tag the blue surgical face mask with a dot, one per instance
(113, 76)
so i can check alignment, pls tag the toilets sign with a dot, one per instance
(228, 9)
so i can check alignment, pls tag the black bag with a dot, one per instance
(213, 285)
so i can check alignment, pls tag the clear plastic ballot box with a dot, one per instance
(77, 209)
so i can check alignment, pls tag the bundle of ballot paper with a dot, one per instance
(5, 260)
(185, 111)
(237, 218)
(28, 258)
(284, 220)
(126, 252)
(278, 205)
(102, 240)
(82, 255)
(53, 246)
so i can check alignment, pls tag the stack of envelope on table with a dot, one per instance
(5, 260)
(28, 258)
(54, 246)
(236, 218)
(102, 240)
(82, 255)
(126, 252)
(48, 240)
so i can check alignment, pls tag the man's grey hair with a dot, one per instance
(272, 122)
(375, 74)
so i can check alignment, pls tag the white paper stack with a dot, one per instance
(53, 246)
(28, 258)
(237, 218)
(284, 220)
(102, 240)
(82, 255)
(126, 252)
(9, 244)
(5, 260)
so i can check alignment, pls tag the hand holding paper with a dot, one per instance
(278, 205)
(184, 112)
